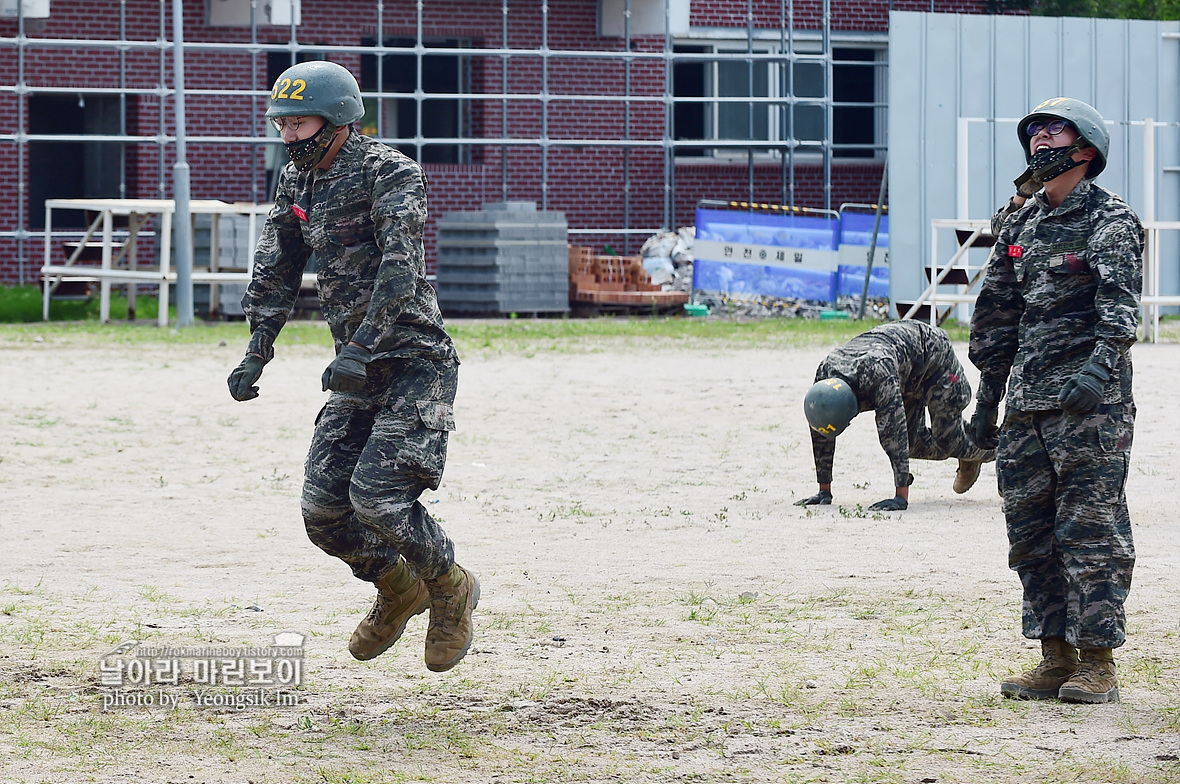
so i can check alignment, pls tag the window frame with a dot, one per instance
(778, 94)
(382, 107)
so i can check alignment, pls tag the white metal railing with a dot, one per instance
(119, 257)
(936, 294)
(1152, 300)
(938, 272)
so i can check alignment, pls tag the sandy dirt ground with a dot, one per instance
(654, 607)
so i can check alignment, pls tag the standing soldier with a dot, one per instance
(1054, 322)
(356, 207)
(900, 370)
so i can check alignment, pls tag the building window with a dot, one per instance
(710, 81)
(857, 121)
(410, 121)
(74, 169)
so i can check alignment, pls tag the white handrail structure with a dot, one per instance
(1151, 300)
(137, 212)
(938, 272)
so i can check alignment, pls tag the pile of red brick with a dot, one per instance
(615, 280)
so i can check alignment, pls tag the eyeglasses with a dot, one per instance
(287, 122)
(1054, 127)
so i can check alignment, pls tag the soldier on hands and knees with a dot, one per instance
(900, 370)
(357, 207)
(1054, 324)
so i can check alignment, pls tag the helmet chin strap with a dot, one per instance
(306, 153)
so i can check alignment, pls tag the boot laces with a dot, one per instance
(378, 609)
(1051, 661)
(1092, 673)
(448, 607)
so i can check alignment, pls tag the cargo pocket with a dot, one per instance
(425, 450)
(1114, 435)
(1114, 438)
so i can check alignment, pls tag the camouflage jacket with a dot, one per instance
(1010, 208)
(361, 221)
(1062, 288)
(886, 366)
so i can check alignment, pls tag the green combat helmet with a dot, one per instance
(316, 88)
(1083, 117)
(320, 88)
(829, 406)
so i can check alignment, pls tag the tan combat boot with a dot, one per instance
(1059, 661)
(966, 475)
(400, 596)
(452, 598)
(1095, 680)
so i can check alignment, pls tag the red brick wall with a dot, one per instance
(586, 182)
(847, 15)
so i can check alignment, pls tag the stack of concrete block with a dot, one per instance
(505, 258)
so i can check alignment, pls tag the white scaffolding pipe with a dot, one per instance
(540, 53)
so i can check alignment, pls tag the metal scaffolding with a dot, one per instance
(775, 55)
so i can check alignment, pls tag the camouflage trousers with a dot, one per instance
(372, 456)
(946, 435)
(1063, 478)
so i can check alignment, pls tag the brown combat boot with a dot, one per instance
(452, 598)
(1095, 681)
(400, 596)
(966, 475)
(1059, 661)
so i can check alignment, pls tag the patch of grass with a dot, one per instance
(23, 304)
(512, 336)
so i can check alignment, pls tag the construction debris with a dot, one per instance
(765, 306)
(616, 281)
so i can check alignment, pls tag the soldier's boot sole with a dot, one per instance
(366, 655)
(1074, 694)
(472, 604)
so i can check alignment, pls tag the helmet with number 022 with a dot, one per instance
(317, 87)
(829, 406)
(1082, 116)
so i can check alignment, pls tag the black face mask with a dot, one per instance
(1053, 162)
(306, 153)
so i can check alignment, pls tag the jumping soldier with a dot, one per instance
(900, 370)
(356, 208)
(1054, 323)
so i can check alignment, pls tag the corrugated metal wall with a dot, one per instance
(943, 67)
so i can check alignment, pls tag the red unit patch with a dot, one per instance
(1015, 251)
(299, 211)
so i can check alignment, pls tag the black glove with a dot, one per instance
(241, 381)
(894, 504)
(983, 430)
(1082, 393)
(346, 373)
(823, 497)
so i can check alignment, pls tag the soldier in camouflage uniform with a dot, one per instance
(900, 370)
(1054, 322)
(356, 207)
